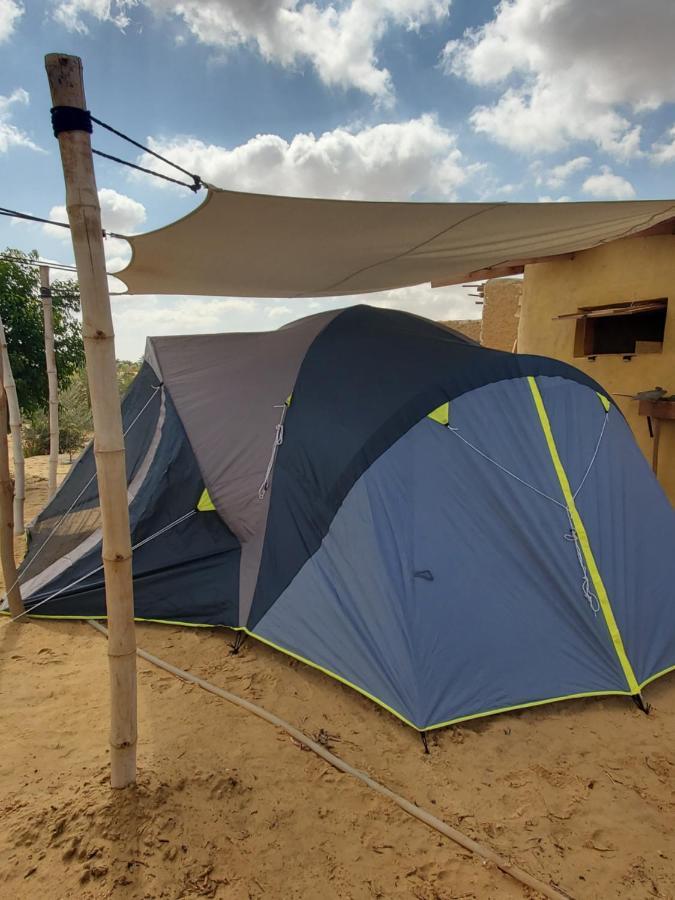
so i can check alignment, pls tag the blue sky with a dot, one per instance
(389, 99)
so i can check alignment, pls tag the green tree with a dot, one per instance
(126, 372)
(21, 311)
(75, 424)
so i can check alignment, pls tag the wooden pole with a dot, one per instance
(655, 449)
(84, 215)
(15, 427)
(7, 561)
(52, 378)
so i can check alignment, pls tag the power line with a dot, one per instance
(14, 214)
(19, 215)
(31, 261)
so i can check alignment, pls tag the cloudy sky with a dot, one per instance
(545, 100)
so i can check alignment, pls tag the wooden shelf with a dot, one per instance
(657, 409)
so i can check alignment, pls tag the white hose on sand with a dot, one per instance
(423, 815)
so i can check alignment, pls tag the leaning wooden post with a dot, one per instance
(15, 427)
(52, 378)
(84, 215)
(7, 560)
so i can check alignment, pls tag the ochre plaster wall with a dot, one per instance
(625, 270)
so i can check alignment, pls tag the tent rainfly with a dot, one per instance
(452, 531)
(253, 245)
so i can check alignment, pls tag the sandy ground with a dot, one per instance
(579, 793)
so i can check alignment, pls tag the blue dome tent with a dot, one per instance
(452, 531)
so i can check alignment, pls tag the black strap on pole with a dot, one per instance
(70, 118)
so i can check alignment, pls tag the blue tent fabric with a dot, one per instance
(417, 595)
(367, 378)
(629, 522)
(512, 551)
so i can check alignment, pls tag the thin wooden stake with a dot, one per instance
(15, 427)
(84, 215)
(6, 516)
(52, 378)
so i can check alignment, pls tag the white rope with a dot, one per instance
(156, 387)
(136, 546)
(278, 441)
(595, 453)
(506, 471)
(589, 595)
(70, 508)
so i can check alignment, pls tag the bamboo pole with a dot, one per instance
(15, 427)
(52, 378)
(7, 560)
(84, 215)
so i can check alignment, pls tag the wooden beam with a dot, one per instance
(84, 216)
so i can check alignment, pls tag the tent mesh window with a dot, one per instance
(73, 514)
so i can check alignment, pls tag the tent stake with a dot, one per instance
(640, 703)
(238, 643)
(425, 741)
(6, 515)
(84, 215)
(15, 427)
(52, 378)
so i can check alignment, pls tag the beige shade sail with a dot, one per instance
(254, 245)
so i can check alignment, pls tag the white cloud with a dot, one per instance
(390, 161)
(548, 199)
(119, 213)
(558, 175)
(664, 151)
(10, 13)
(575, 68)
(10, 135)
(278, 311)
(608, 186)
(338, 39)
(549, 116)
(135, 317)
(73, 13)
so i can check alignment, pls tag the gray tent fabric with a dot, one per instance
(228, 404)
(256, 245)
